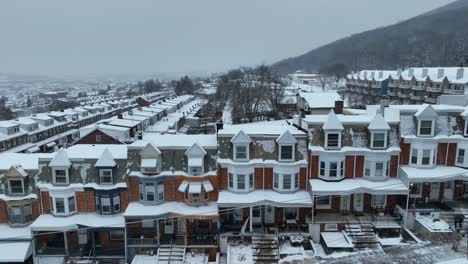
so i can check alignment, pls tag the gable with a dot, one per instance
(91, 138)
(286, 138)
(150, 150)
(426, 112)
(241, 138)
(195, 151)
(16, 171)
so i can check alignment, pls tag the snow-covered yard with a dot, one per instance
(227, 114)
(240, 254)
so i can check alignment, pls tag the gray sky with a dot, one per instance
(174, 36)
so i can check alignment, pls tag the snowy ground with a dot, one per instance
(227, 116)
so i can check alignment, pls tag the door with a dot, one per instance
(168, 227)
(344, 203)
(435, 191)
(358, 202)
(448, 190)
(257, 215)
(181, 227)
(269, 215)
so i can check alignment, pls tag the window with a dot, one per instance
(376, 169)
(378, 201)
(251, 180)
(367, 171)
(378, 140)
(186, 194)
(240, 152)
(241, 182)
(422, 156)
(98, 138)
(426, 156)
(290, 213)
(196, 170)
(105, 205)
(276, 180)
(61, 176)
(116, 235)
(15, 215)
(379, 169)
(59, 205)
(416, 189)
(333, 140)
(322, 168)
(286, 152)
(331, 227)
(205, 196)
(231, 181)
(71, 204)
(16, 186)
(160, 191)
(105, 176)
(150, 192)
(461, 157)
(296, 181)
(332, 169)
(323, 202)
(116, 201)
(414, 156)
(425, 128)
(286, 181)
(387, 169)
(195, 197)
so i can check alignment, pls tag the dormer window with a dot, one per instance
(332, 140)
(16, 186)
(241, 152)
(60, 176)
(426, 128)
(105, 176)
(195, 159)
(379, 139)
(286, 152)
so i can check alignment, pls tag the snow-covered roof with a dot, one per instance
(61, 159)
(286, 138)
(433, 174)
(241, 138)
(264, 197)
(27, 161)
(88, 151)
(17, 171)
(106, 159)
(195, 151)
(176, 141)
(332, 122)
(274, 128)
(378, 123)
(136, 209)
(336, 240)
(357, 185)
(321, 100)
(18, 251)
(121, 133)
(426, 111)
(49, 222)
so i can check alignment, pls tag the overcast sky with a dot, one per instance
(153, 36)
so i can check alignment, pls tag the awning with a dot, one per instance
(33, 149)
(51, 144)
(49, 222)
(183, 186)
(433, 174)
(194, 187)
(354, 186)
(207, 186)
(149, 163)
(195, 162)
(264, 197)
(15, 251)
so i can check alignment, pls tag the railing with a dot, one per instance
(418, 87)
(142, 241)
(391, 93)
(402, 95)
(394, 85)
(404, 86)
(417, 97)
(434, 89)
(430, 100)
(453, 91)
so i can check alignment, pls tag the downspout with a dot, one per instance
(446, 154)
(42, 205)
(354, 173)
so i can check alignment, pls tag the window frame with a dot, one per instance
(102, 176)
(279, 181)
(235, 152)
(54, 175)
(234, 180)
(327, 135)
(65, 198)
(385, 135)
(431, 134)
(340, 169)
(323, 206)
(10, 188)
(293, 149)
(418, 153)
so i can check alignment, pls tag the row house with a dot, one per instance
(19, 205)
(12, 136)
(432, 161)
(353, 167)
(82, 192)
(262, 174)
(368, 86)
(413, 85)
(173, 189)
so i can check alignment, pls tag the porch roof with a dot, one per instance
(264, 197)
(49, 222)
(15, 251)
(433, 174)
(352, 186)
(136, 209)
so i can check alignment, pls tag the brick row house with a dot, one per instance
(173, 189)
(262, 172)
(353, 169)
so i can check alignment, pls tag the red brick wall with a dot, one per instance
(458, 190)
(405, 152)
(105, 139)
(441, 153)
(359, 166)
(394, 166)
(223, 178)
(80, 201)
(314, 166)
(46, 202)
(452, 153)
(302, 178)
(90, 199)
(349, 166)
(258, 181)
(269, 178)
(3, 212)
(133, 189)
(36, 209)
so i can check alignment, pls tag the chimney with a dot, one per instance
(219, 126)
(440, 73)
(399, 71)
(425, 72)
(338, 107)
(460, 73)
(120, 116)
(410, 72)
(384, 102)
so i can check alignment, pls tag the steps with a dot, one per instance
(362, 234)
(171, 254)
(265, 249)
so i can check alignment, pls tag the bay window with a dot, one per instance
(377, 166)
(331, 170)
(63, 203)
(151, 191)
(285, 181)
(241, 182)
(422, 156)
(108, 202)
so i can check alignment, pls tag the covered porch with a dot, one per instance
(265, 211)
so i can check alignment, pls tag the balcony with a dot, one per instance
(452, 91)
(394, 85)
(433, 89)
(376, 86)
(417, 97)
(404, 86)
(430, 100)
(391, 93)
(403, 95)
(366, 84)
(418, 87)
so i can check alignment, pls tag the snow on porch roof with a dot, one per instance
(15, 251)
(230, 199)
(136, 209)
(433, 174)
(352, 186)
(48, 222)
